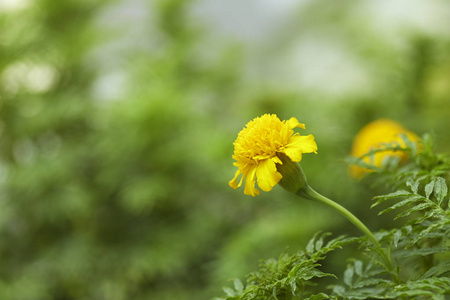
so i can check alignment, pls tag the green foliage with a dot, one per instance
(290, 275)
(99, 197)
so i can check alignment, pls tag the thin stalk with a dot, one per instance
(311, 194)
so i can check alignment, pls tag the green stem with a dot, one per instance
(311, 194)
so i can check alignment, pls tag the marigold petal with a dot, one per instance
(293, 122)
(277, 160)
(294, 154)
(299, 144)
(250, 181)
(233, 182)
(267, 175)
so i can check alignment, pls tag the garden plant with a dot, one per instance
(411, 261)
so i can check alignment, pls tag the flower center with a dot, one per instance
(260, 140)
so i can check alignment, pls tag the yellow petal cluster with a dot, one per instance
(375, 136)
(257, 146)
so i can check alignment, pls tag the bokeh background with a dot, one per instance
(117, 120)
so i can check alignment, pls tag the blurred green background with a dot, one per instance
(117, 120)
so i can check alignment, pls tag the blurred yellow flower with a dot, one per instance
(377, 135)
(257, 147)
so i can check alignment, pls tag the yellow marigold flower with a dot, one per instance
(258, 148)
(375, 136)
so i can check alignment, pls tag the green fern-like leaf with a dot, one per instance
(363, 282)
(422, 251)
(416, 208)
(412, 202)
(438, 270)
(289, 275)
(433, 288)
(400, 204)
(397, 194)
(320, 296)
